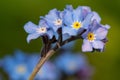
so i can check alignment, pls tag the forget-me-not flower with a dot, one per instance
(75, 21)
(36, 31)
(93, 37)
(17, 66)
(70, 63)
(54, 19)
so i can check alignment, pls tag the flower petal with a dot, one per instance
(69, 7)
(43, 23)
(19, 56)
(85, 11)
(51, 24)
(94, 26)
(50, 34)
(96, 17)
(86, 47)
(101, 33)
(8, 61)
(84, 35)
(70, 31)
(77, 14)
(107, 26)
(87, 20)
(32, 36)
(67, 19)
(30, 27)
(98, 44)
(52, 15)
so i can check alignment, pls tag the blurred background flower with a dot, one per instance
(68, 47)
(69, 62)
(74, 64)
(17, 66)
(48, 72)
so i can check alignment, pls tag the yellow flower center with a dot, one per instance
(76, 25)
(72, 65)
(21, 69)
(42, 30)
(91, 36)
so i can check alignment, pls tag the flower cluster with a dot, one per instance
(70, 24)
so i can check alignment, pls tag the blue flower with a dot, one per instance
(36, 31)
(76, 20)
(70, 63)
(69, 7)
(54, 19)
(17, 67)
(48, 72)
(93, 37)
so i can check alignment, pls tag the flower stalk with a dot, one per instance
(40, 63)
(56, 24)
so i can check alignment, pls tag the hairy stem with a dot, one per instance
(40, 63)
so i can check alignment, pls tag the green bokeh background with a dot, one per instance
(15, 13)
